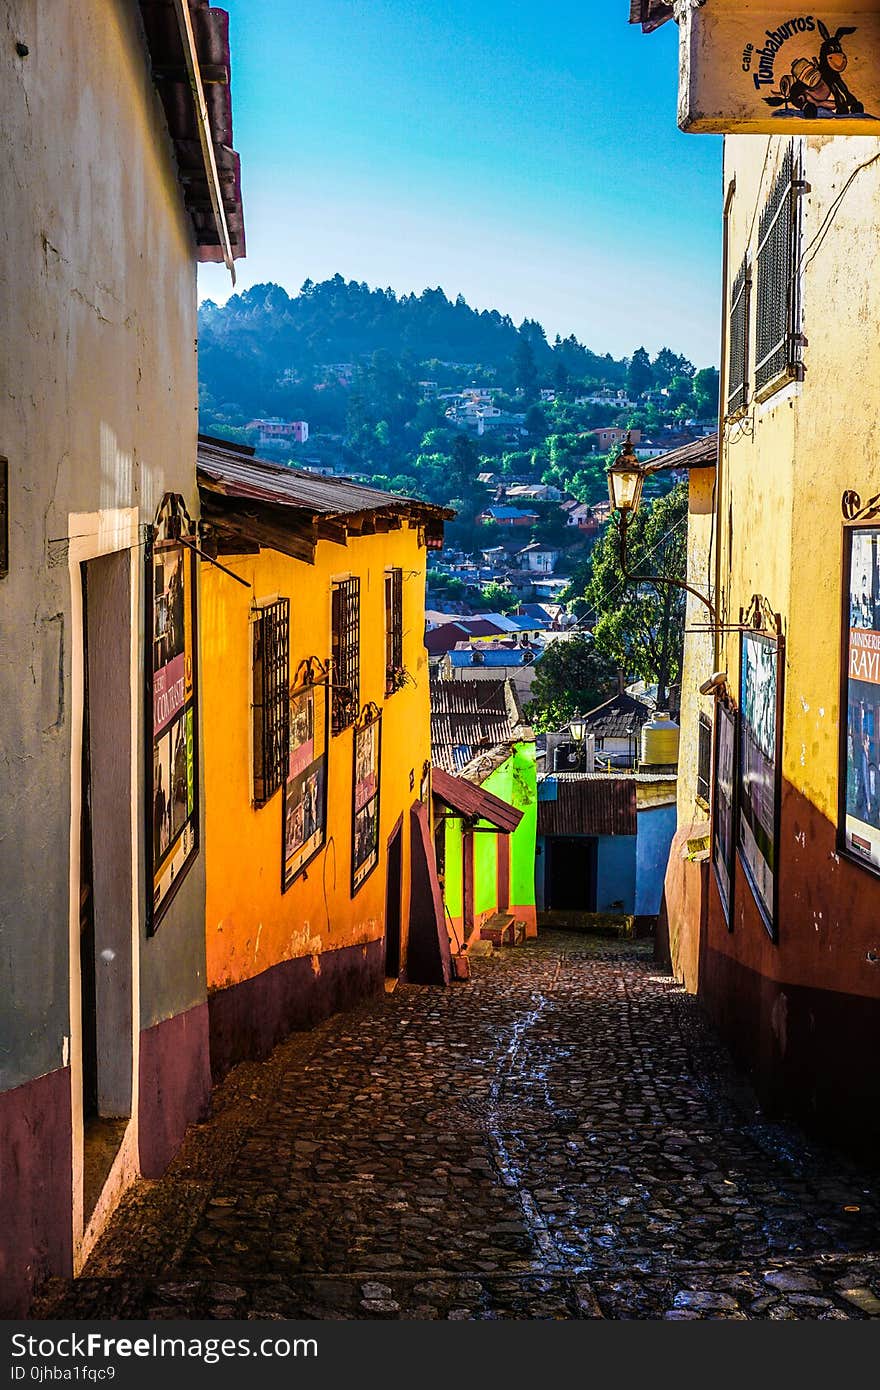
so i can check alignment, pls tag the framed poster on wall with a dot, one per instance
(859, 774)
(759, 766)
(305, 786)
(724, 805)
(365, 796)
(172, 723)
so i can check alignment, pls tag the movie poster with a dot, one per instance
(173, 792)
(862, 700)
(723, 827)
(365, 823)
(305, 788)
(759, 691)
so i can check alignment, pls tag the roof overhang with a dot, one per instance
(188, 43)
(250, 504)
(701, 453)
(649, 13)
(474, 803)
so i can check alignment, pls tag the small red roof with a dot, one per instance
(474, 803)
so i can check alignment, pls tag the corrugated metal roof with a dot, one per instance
(620, 717)
(588, 805)
(469, 717)
(237, 473)
(488, 654)
(474, 803)
(700, 453)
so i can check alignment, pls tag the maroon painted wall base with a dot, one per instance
(249, 1019)
(175, 1085)
(36, 1165)
(811, 1053)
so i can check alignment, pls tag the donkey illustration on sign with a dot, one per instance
(815, 86)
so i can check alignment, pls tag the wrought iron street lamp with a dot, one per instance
(626, 477)
(577, 727)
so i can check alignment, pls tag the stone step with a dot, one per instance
(499, 929)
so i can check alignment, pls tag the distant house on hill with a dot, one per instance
(478, 661)
(608, 437)
(444, 638)
(507, 516)
(276, 431)
(581, 516)
(538, 558)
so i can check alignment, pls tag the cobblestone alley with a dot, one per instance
(559, 1138)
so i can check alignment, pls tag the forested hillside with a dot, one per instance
(383, 382)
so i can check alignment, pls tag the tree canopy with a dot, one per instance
(571, 678)
(639, 625)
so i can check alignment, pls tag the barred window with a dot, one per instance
(271, 705)
(738, 350)
(704, 759)
(393, 629)
(778, 338)
(346, 643)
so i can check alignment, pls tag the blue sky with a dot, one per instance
(523, 154)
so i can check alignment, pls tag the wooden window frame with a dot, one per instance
(345, 652)
(270, 697)
(394, 670)
(704, 760)
(778, 337)
(739, 339)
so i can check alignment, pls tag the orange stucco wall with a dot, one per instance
(250, 924)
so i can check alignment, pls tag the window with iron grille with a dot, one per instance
(738, 338)
(704, 759)
(778, 338)
(393, 630)
(346, 644)
(271, 697)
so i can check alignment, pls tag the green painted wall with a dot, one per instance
(515, 782)
(453, 880)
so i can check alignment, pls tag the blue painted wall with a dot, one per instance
(656, 827)
(616, 876)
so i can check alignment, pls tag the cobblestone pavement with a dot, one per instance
(560, 1138)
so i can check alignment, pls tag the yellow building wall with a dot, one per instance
(699, 654)
(250, 925)
(784, 470)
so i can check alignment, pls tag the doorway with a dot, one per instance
(468, 887)
(393, 905)
(106, 986)
(503, 870)
(571, 873)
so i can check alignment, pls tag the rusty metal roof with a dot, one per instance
(469, 717)
(599, 804)
(211, 31)
(238, 473)
(474, 803)
(700, 453)
(248, 502)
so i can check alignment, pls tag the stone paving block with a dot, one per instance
(563, 1138)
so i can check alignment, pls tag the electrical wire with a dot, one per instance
(625, 582)
(825, 225)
